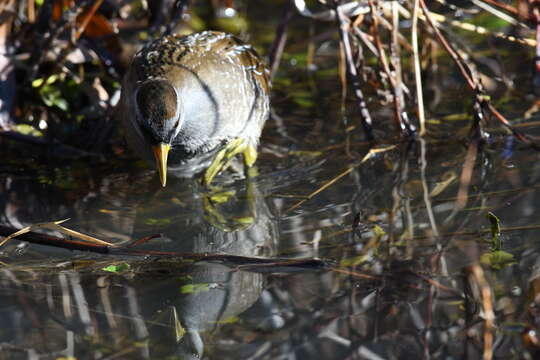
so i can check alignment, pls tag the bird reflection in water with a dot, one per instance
(92, 312)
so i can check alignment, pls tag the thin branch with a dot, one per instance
(87, 17)
(501, 5)
(276, 51)
(365, 117)
(256, 264)
(417, 69)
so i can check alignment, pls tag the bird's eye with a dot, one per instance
(149, 133)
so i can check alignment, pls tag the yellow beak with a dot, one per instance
(160, 153)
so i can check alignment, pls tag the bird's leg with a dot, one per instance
(250, 155)
(224, 157)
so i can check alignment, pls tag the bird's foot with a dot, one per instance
(223, 158)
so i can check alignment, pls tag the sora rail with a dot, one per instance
(193, 102)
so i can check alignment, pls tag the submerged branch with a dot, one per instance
(247, 263)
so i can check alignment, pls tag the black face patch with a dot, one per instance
(157, 101)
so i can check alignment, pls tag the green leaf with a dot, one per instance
(37, 82)
(61, 103)
(158, 222)
(304, 102)
(51, 79)
(28, 130)
(305, 153)
(116, 268)
(497, 259)
(379, 232)
(194, 288)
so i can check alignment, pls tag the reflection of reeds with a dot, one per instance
(352, 16)
(477, 277)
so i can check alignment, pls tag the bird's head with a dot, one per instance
(158, 117)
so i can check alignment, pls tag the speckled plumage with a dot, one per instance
(220, 93)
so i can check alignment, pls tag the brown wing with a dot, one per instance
(173, 51)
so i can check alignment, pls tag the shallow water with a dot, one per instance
(408, 270)
(396, 290)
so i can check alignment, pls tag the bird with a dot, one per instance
(192, 103)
